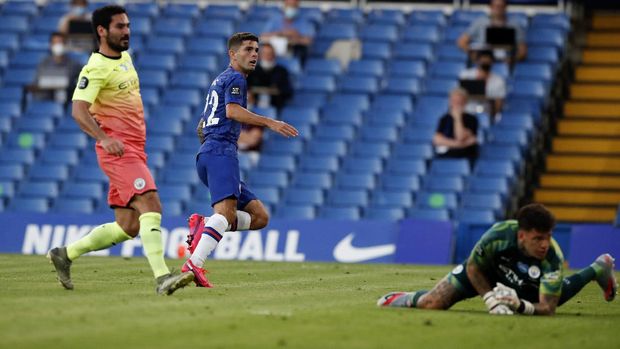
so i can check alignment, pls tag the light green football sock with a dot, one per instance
(100, 238)
(150, 233)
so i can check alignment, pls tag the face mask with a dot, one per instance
(58, 49)
(486, 67)
(78, 10)
(290, 12)
(267, 65)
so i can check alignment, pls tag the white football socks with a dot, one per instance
(215, 227)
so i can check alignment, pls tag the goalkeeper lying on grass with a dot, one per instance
(516, 267)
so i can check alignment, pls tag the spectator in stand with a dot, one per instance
(495, 86)
(57, 73)
(476, 33)
(289, 30)
(78, 12)
(457, 130)
(269, 83)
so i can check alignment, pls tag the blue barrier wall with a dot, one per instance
(366, 241)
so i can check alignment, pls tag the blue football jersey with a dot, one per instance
(222, 133)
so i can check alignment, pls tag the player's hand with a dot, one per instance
(112, 146)
(199, 133)
(501, 310)
(506, 295)
(283, 128)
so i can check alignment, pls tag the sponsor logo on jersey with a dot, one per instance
(83, 83)
(534, 272)
(139, 183)
(235, 91)
(511, 275)
(522, 267)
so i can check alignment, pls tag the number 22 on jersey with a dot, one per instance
(212, 101)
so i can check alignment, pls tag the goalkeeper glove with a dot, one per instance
(494, 306)
(508, 296)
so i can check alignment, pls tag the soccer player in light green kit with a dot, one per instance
(515, 267)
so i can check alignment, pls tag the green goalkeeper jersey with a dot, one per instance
(499, 257)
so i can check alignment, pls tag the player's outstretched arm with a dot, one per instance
(480, 282)
(199, 132)
(238, 113)
(88, 124)
(546, 304)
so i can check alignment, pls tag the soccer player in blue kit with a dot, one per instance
(235, 207)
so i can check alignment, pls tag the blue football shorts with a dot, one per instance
(220, 173)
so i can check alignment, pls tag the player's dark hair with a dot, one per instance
(535, 217)
(103, 17)
(238, 38)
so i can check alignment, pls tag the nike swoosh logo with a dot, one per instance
(347, 253)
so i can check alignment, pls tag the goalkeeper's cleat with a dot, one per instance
(196, 224)
(606, 279)
(167, 284)
(397, 299)
(200, 274)
(62, 264)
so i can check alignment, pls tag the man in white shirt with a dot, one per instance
(495, 90)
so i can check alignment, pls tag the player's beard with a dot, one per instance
(116, 45)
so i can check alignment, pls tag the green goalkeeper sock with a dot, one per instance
(150, 233)
(100, 238)
(416, 296)
(574, 283)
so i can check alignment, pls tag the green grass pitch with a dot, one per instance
(270, 305)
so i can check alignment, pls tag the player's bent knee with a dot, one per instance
(260, 219)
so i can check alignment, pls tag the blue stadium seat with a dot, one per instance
(10, 94)
(176, 27)
(19, 76)
(9, 41)
(320, 163)
(312, 180)
(20, 8)
(318, 147)
(253, 25)
(17, 156)
(429, 109)
(336, 31)
(157, 61)
(45, 108)
(14, 24)
(446, 183)
(296, 212)
(27, 140)
(183, 96)
(216, 28)
(348, 197)
(349, 102)
(182, 160)
(498, 185)
(179, 112)
(36, 205)
(204, 62)
(270, 196)
(277, 163)
(386, 16)
(72, 205)
(429, 214)
(7, 190)
(11, 172)
(308, 99)
(421, 33)
(319, 83)
(443, 69)
(407, 68)
(27, 59)
(48, 172)
(414, 52)
(362, 165)
(68, 157)
(335, 132)
(376, 50)
(393, 102)
(379, 134)
(278, 179)
(191, 79)
(442, 167)
(174, 192)
(404, 166)
(69, 140)
(436, 200)
(465, 17)
(452, 33)
(92, 191)
(533, 71)
(150, 96)
(440, 87)
(355, 181)
(429, 17)
(345, 15)
(153, 78)
(90, 174)
(408, 183)
(230, 12)
(368, 150)
(175, 175)
(366, 67)
(342, 117)
(171, 207)
(29, 189)
(140, 26)
(34, 124)
(283, 146)
(413, 151)
(359, 84)
(487, 201)
(165, 127)
(184, 11)
(542, 54)
(379, 33)
(545, 37)
(331, 212)
(407, 86)
(495, 168)
(509, 137)
(381, 116)
(391, 199)
(475, 216)
(550, 20)
(385, 213)
(298, 196)
(451, 52)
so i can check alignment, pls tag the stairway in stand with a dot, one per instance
(582, 178)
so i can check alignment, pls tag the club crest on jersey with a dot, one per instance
(139, 183)
(83, 83)
(534, 272)
(235, 91)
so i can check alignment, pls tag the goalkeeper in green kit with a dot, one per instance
(516, 267)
